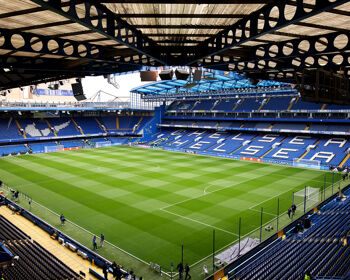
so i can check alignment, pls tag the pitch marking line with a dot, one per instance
(207, 193)
(199, 222)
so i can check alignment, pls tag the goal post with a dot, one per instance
(316, 164)
(312, 196)
(103, 144)
(50, 149)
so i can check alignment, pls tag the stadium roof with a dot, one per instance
(212, 81)
(55, 39)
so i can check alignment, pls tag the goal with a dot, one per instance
(49, 149)
(316, 164)
(312, 196)
(102, 144)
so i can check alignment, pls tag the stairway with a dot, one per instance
(234, 108)
(79, 129)
(344, 160)
(50, 127)
(137, 125)
(292, 103)
(100, 125)
(21, 130)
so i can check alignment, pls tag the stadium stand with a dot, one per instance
(330, 151)
(262, 79)
(321, 250)
(251, 103)
(34, 262)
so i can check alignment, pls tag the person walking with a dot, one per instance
(63, 219)
(187, 271)
(180, 268)
(289, 212)
(94, 243)
(102, 239)
(294, 208)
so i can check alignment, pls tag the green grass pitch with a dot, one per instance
(149, 202)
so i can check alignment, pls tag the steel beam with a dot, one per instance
(232, 2)
(327, 61)
(181, 15)
(107, 24)
(247, 29)
(43, 45)
(40, 65)
(336, 43)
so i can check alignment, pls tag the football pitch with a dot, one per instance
(151, 202)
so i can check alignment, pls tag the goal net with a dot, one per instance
(312, 196)
(49, 149)
(103, 144)
(316, 164)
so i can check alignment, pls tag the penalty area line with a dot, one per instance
(199, 222)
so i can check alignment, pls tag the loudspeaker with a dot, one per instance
(253, 81)
(322, 86)
(197, 76)
(78, 91)
(181, 74)
(148, 76)
(166, 75)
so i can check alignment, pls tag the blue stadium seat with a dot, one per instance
(319, 249)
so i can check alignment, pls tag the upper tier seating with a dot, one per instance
(302, 105)
(248, 104)
(89, 125)
(64, 126)
(123, 124)
(9, 129)
(35, 128)
(277, 103)
(205, 105)
(226, 105)
(50, 127)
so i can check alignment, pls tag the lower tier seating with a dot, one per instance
(321, 250)
(34, 261)
(328, 150)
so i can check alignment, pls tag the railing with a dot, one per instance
(8, 105)
(282, 221)
(247, 92)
